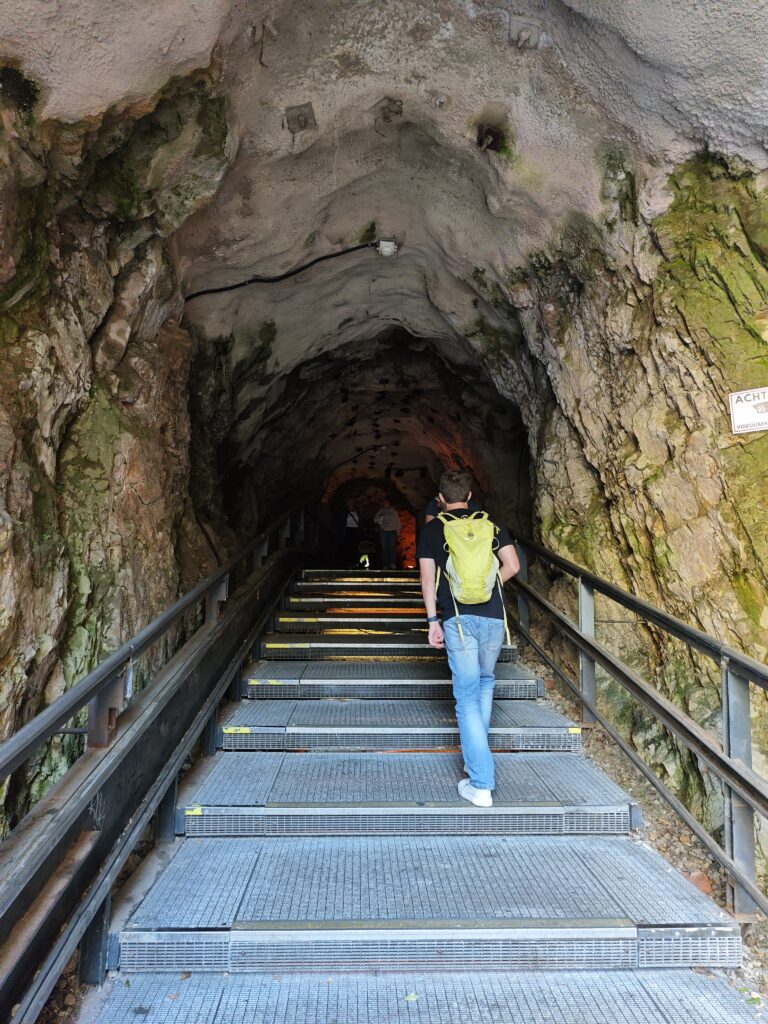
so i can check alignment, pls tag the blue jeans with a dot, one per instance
(472, 663)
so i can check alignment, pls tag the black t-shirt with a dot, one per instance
(432, 545)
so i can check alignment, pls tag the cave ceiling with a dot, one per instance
(474, 133)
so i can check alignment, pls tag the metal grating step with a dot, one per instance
(632, 997)
(369, 603)
(387, 725)
(392, 680)
(388, 645)
(354, 575)
(463, 946)
(373, 794)
(307, 738)
(447, 901)
(381, 591)
(276, 688)
(256, 779)
(413, 610)
(391, 879)
(390, 714)
(200, 822)
(297, 623)
(408, 584)
(406, 671)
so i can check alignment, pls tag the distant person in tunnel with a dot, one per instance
(352, 533)
(464, 559)
(388, 521)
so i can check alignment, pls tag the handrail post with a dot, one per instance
(214, 597)
(103, 710)
(523, 607)
(260, 553)
(284, 535)
(739, 816)
(587, 664)
(130, 679)
(92, 957)
(165, 823)
(208, 736)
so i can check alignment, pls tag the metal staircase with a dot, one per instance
(325, 869)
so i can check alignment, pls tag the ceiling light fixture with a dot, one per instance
(387, 247)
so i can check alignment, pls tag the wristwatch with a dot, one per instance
(433, 618)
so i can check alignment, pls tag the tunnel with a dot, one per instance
(263, 256)
(391, 411)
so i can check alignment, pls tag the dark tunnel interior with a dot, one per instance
(380, 417)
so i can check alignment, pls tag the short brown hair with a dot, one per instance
(455, 485)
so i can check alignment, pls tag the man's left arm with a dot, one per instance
(510, 563)
(428, 573)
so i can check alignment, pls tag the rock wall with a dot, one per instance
(96, 527)
(642, 327)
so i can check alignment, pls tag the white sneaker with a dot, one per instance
(478, 797)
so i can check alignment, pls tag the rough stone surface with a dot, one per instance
(89, 56)
(96, 522)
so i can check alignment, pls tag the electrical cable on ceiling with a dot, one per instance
(384, 246)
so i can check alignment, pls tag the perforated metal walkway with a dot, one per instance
(639, 997)
(326, 869)
(255, 794)
(357, 724)
(415, 680)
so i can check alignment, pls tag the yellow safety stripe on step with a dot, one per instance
(266, 682)
(275, 682)
(294, 618)
(283, 646)
(576, 731)
(193, 812)
(237, 730)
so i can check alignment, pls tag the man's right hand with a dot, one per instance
(436, 635)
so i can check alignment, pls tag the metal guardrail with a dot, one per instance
(730, 759)
(107, 686)
(58, 866)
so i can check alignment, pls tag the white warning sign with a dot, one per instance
(749, 410)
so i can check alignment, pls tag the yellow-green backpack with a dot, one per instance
(472, 569)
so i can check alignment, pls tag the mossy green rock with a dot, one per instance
(172, 161)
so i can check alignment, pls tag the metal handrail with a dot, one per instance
(61, 861)
(741, 779)
(727, 862)
(751, 669)
(22, 744)
(745, 791)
